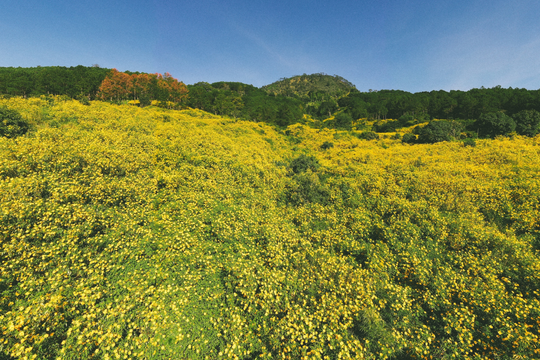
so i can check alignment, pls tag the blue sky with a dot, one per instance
(411, 45)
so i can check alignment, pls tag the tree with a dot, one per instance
(116, 85)
(494, 123)
(289, 112)
(527, 122)
(343, 121)
(326, 108)
(122, 86)
(408, 138)
(437, 131)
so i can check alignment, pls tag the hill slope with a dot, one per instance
(310, 86)
(153, 233)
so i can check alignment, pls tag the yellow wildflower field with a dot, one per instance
(148, 233)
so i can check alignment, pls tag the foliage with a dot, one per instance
(367, 135)
(408, 138)
(120, 86)
(437, 131)
(244, 101)
(327, 145)
(421, 106)
(386, 126)
(315, 87)
(52, 80)
(494, 123)
(527, 122)
(469, 142)
(11, 123)
(304, 163)
(150, 233)
(343, 121)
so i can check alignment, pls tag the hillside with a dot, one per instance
(314, 87)
(150, 233)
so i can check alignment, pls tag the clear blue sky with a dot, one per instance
(412, 45)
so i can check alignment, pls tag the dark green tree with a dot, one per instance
(527, 122)
(494, 123)
(437, 131)
(367, 135)
(408, 138)
(343, 121)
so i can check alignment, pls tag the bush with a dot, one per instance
(343, 121)
(307, 188)
(304, 163)
(396, 136)
(407, 120)
(306, 185)
(367, 135)
(437, 131)
(327, 145)
(408, 138)
(495, 123)
(11, 123)
(469, 142)
(389, 126)
(527, 122)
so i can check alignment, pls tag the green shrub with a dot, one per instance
(327, 145)
(306, 188)
(367, 135)
(495, 123)
(304, 163)
(408, 138)
(407, 120)
(469, 142)
(343, 121)
(388, 126)
(527, 122)
(11, 123)
(437, 131)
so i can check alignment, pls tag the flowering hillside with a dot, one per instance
(148, 233)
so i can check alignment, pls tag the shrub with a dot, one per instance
(304, 163)
(327, 145)
(11, 123)
(469, 142)
(407, 120)
(343, 121)
(367, 135)
(396, 136)
(388, 126)
(495, 123)
(527, 122)
(307, 188)
(437, 131)
(408, 138)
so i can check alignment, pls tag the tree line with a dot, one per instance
(74, 82)
(487, 112)
(143, 88)
(244, 101)
(454, 104)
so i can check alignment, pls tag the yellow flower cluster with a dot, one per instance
(147, 233)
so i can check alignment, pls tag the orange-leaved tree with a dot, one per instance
(118, 86)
